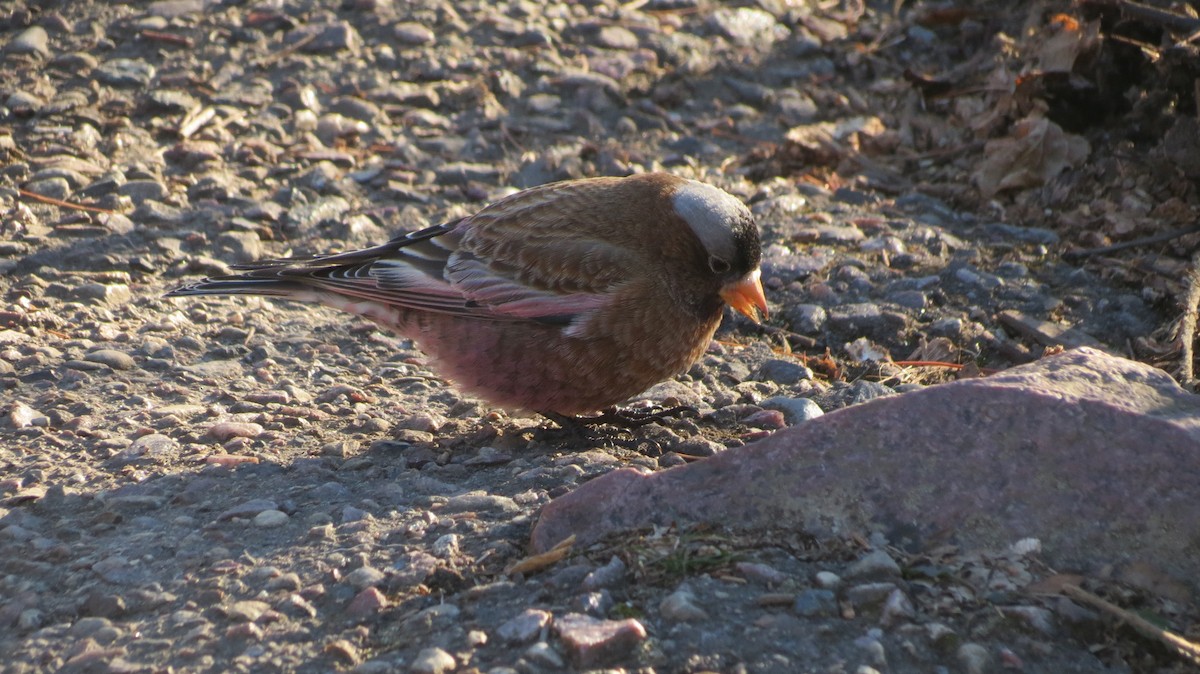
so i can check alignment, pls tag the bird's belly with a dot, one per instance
(537, 367)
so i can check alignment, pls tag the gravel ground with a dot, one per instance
(241, 485)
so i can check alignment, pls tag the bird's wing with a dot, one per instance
(528, 257)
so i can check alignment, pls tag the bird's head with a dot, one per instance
(729, 235)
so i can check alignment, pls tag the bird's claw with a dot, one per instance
(624, 418)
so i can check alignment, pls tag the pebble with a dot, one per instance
(123, 72)
(117, 360)
(760, 573)
(680, 606)
(367, 603)
(807, 319)
(270, 519)
(32, 40)
(225, 430)
(524, 627)
(411, 34)
(606, 576)
(783, 372)
(816, 602)
(55, 188)
(247, 509)
(591, 642)
(140, 191)
(974, 658)
(543, 655)
(364, 577)
(111, 294)
(874, 564)
(433, 661)
(795, 410)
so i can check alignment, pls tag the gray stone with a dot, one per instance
(142, 190)
(815, 602)
(121, 72)
(795, 410)
(55, 188)
(1080, 449)
(433, 661)
(117, 360)
(806, 318)
(785, 372)
(32, 40)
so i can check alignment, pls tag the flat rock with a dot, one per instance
(1098, 456)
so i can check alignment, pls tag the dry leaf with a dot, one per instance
(545, 559)
(1037, 151)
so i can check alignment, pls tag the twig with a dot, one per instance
(1187, 324)
(1145, 241)
(168, 38)
(1182, 647)
(195, 120)
(1166, 18)
(59, 202)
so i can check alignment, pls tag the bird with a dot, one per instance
(563, 299)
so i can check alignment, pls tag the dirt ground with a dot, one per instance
(243, 485)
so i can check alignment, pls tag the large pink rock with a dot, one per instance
(1096, 455)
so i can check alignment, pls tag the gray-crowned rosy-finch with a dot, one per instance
(562, 299)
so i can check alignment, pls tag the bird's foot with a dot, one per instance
(623, 418)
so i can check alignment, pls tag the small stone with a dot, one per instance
(479, 501)
(367, 603)
(544, 655)
(827, 580)
(21, 415)
(875, 564)
(412, 34)
(55, 188)
(103, 605)
(248, 509)
(617, 37)
(122, 72)
(32, 40)
(606, 576)
(815, 602)
(975, 658)
(807, 319)
(364, 577)
(783, 372)
(795, 410)
(143, 190)
(591, 642)
(226, 430)
(269, 519)
(289, 581)
(112, 294)
(30, 619)
(149, 448)
(524, 627)
(679, 606)
(446, 546)
(331, 37)
(117, 360)
(896, 608)
(762, 573)
(433, 661)
(869, 594)
(246, 611)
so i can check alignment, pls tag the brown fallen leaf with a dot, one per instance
(1036, 152)
(536, 563)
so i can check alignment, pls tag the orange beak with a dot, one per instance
(746, 296)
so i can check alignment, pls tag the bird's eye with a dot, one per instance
(718, 265)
